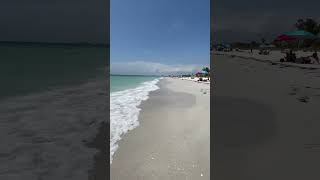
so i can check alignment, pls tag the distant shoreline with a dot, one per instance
(135, 75)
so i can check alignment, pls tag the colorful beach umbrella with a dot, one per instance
(300, 34)
(284, 38)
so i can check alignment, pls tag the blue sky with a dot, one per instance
(159, 34)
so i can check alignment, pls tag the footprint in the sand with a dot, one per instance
(312, 146)
(294, 91)
(304, 99)
(284, 66)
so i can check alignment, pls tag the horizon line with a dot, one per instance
(55, 43)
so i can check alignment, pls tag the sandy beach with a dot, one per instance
(173, 138)
(265, 120)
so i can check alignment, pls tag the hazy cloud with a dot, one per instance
(152, 68)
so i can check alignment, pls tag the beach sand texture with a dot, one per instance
(265, 120)
(173, 138)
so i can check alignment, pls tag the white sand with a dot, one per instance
(265, 120)
(173, 139)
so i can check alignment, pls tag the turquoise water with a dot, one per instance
(29, 68)
(122, 82)
(56, 93)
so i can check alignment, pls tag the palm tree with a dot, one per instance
(309, 25)
(263, 40)
(206, 69)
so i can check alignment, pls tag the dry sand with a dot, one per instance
(173, 139)
(265, 121)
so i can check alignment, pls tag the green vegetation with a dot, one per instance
(309, 25)
(206, 69)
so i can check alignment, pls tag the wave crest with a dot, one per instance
(124, 111)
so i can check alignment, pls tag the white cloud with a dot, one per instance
(152, 68)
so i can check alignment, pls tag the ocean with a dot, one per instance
(53, 99)
(126, 94)
(28, 68)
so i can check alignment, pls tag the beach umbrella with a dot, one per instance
(204, 72)
(284, 38)
(301, 35)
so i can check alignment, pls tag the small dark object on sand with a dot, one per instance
(304, 99)
(312, 146)
(295, 89)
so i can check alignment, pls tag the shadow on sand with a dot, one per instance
(238, 127)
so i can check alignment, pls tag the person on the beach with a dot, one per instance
(308, 59)
(314, 58)
(287, 57)
(290, 57)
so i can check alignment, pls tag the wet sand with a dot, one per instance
(45, 135)
(265, 120)
(173, 138)
(100, 170)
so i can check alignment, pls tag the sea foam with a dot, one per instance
(124, 111)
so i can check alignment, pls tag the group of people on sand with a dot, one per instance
(291, 57)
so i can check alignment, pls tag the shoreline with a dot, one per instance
(165, 144)
(100, 165)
